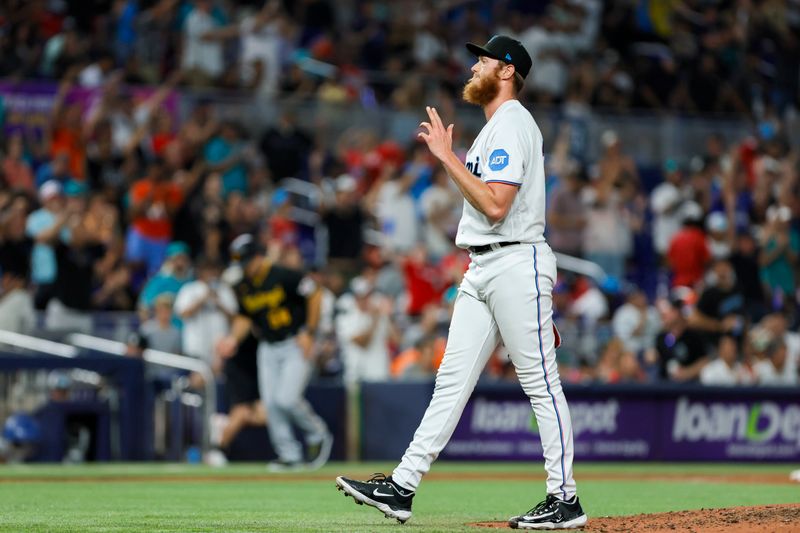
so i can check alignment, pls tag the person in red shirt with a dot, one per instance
(688, 252)
(152, 204)
(424, 281)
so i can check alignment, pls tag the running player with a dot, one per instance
(281, 307)
(506, 293)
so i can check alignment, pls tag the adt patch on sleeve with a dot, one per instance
(498, 160)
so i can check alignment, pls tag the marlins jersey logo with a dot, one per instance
(475, 167)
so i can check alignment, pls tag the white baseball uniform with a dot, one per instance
(506, 295)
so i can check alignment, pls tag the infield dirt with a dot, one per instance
(768, 518)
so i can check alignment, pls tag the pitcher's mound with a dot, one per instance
(768, 518)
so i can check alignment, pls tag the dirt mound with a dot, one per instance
(769, 518)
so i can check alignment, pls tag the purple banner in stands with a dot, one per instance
(27, 105)
(683, 427)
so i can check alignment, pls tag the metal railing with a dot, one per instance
(157, 357)
(75, 342)
(36, 344)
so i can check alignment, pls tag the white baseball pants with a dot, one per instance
(506, 295)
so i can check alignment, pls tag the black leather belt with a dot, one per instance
(489, 247)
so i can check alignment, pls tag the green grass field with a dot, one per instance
(247, 498)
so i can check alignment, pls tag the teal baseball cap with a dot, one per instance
(177, 248)
(74, 189)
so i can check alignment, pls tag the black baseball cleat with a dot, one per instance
(381, 493)
(552, 513)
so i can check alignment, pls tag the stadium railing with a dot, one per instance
(77, 344)
(165, 359)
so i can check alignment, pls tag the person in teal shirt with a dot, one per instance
(780, 246)
(174, 274)
(225, 153)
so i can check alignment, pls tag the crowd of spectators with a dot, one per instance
(735, 56)
(121, 207)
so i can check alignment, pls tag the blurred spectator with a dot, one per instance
(726, 368)
(226, 153)
(666, 201)
(566, 219)
(440, 205)
(261, 46)
(15, 244)
(419, 362)
(719, 242)
(205, 306)
(159, 332)
(682, 351)
(174, 274)
(720, 308)
(424, 282)
(688, 252)
(282, 227)
(618, 364)
(345, 221)
(607, 237)
(97, 72)
(588, 304)
(65, 136)
(56, 170)
(113, 291)
(394, 208)
(636, 323)
(16, 169)
(780, 246)
(154, 200)
(774, 368)
(285, 146)
(744, 260)
(16, 303)
(76, 250)
(201, 220)
(777, 325)
(615, 166)
(45, 226)
(364, 329)
(202, 52)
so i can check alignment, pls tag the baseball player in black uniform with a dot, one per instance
(281, 307)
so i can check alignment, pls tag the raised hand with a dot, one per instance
(438, 138)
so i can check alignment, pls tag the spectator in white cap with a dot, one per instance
(44, 226)
(719, 238)
(615, 165)
(363, 327)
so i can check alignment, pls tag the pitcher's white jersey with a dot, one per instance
(507, 150)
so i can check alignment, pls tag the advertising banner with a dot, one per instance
(669, 427)
(27, 106)
(744, 430)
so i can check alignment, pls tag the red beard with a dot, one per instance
(481, 91)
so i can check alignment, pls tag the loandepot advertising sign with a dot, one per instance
(494, 429)
(738, 430)
(633, 427)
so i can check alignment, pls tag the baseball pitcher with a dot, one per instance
(506, 294)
